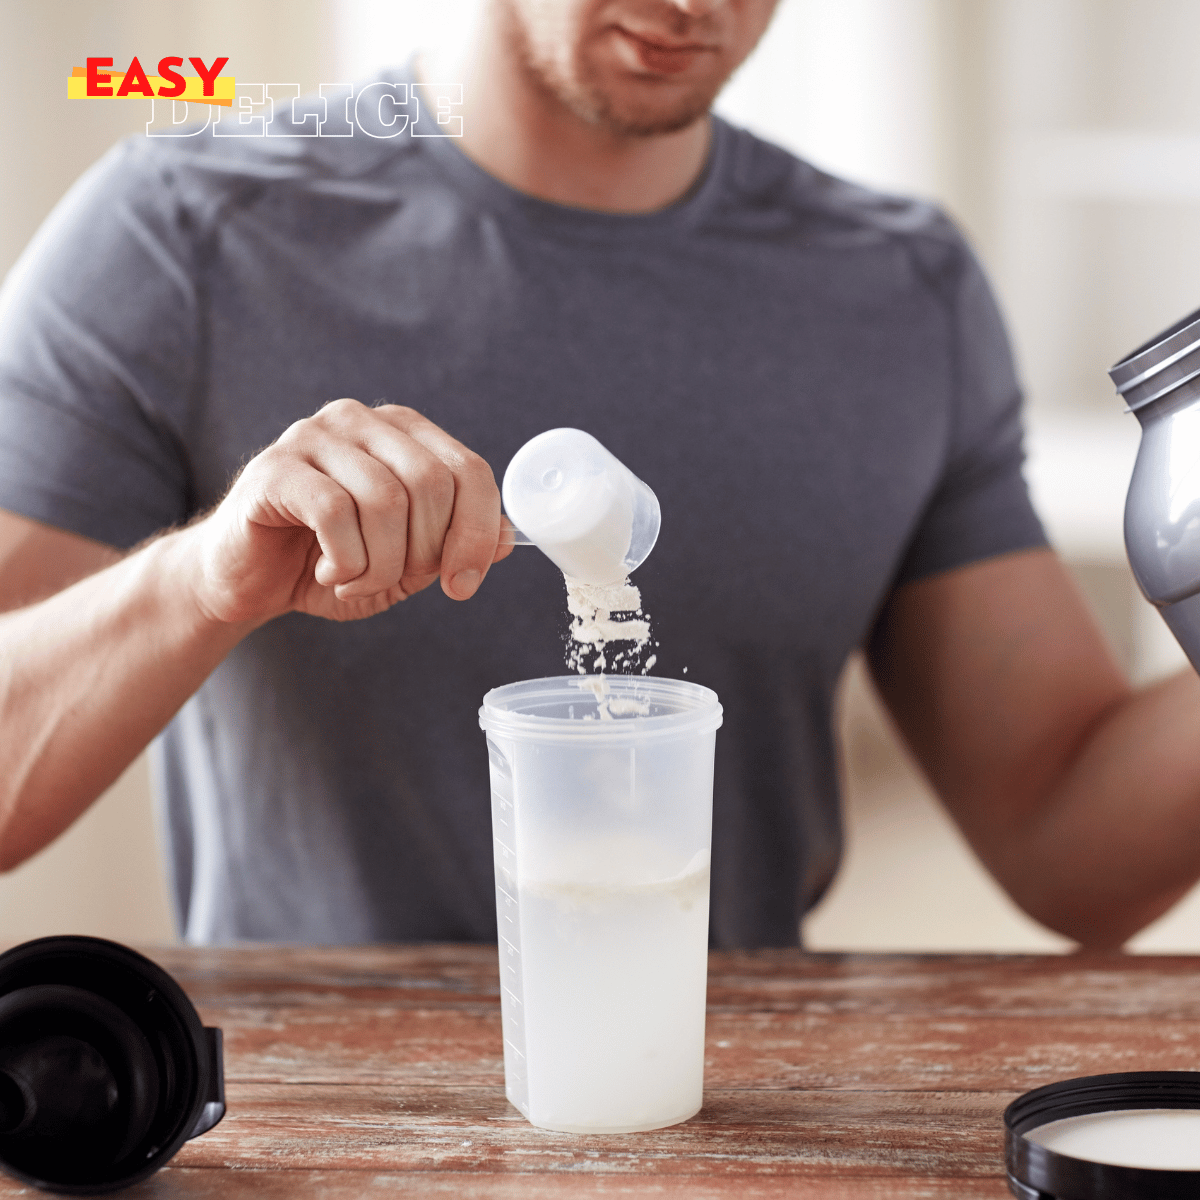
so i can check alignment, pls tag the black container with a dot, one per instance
(105, 1067)
(1037, 1173)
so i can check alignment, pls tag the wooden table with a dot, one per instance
(377, 1071)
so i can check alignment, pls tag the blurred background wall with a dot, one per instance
(1063, 135)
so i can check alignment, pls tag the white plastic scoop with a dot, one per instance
(583, 508)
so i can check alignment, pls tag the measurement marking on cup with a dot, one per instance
(516, 1049)
(516, 998)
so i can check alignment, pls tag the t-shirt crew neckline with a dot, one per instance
(495, 194)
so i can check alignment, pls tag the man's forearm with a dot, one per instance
(1081, 795)
(88, 677)
(1118, 840)
(345, 514)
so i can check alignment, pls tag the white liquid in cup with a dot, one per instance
(1156, 1138)
(614, 1002)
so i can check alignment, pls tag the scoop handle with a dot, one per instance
(510, 535)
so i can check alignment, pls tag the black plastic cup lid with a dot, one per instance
(1036, 1172)
(105, 1067)
(1164, 363)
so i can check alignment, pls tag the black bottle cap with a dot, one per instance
(105, 1067)
(1038, 1173)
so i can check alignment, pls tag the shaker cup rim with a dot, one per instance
(540, 708)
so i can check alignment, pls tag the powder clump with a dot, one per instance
(603, 613)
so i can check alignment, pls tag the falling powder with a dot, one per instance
(600, 615)
(609, 706)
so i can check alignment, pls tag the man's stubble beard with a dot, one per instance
(583, 95)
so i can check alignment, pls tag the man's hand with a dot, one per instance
(350, 511)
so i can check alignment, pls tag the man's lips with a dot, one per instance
(662, 58)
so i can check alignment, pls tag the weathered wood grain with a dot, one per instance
(187, 1183)
(373, 1070)
(743, 1134)
(385, 1045)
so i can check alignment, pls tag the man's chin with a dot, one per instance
(649, 126)
(652, 117)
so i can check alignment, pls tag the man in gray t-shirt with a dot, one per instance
(812, 377)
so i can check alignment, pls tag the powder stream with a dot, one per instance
(594, 626)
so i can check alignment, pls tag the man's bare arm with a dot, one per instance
(90, 674)
(349, 512)
(1081, 795)
(38, 560)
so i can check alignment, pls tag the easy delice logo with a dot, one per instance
(205, 87)
(379, 109)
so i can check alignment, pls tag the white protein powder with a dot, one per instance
(608, 705)
(593, 626)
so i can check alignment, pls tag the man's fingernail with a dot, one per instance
(465, 582)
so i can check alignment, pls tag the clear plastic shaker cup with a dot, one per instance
(583, 508)
(602, 830)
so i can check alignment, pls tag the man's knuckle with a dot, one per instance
(340, 413)
(476, 470)
(396, 415)
(432, 478)
(332, 506)
(288, 438)
(388, 496)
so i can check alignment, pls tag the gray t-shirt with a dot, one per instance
(812, 377)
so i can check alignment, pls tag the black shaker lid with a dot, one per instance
(105, 1067)
(1036, 1172)
(1166, 362)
